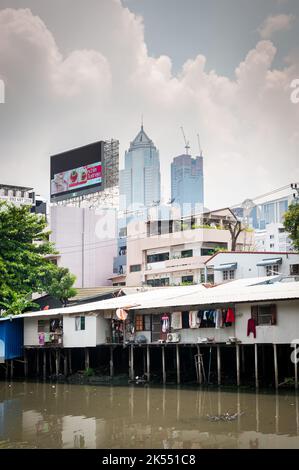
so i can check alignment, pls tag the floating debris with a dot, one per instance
(225, 417)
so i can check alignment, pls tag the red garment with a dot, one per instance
(251, 327)
(230, 316)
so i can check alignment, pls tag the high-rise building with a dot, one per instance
(187, 183)
(140, 180)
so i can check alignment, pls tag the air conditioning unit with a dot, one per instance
(173, 338)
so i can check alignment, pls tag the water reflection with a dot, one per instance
(74, 416)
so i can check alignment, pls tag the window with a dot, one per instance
(281, 230)
(272, 270)
(139, 323)
(271, 237)
(225, 275)
(187, 253)
(207, 251)
(187, 279)
(264, 314)
(135, 268)
(147, 323)
(158, 282)
(294, 269)
(232, 274)
(271, 245)
(157, 257)
(79, 323)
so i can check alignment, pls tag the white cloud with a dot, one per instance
(275, 23)
(248, 125)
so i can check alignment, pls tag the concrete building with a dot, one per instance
(269, 212)
(228, 266)
(140, 180)
(86, 241)
(173, 251)
(273, 238)
(187, 183)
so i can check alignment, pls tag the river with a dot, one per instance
(45, 415)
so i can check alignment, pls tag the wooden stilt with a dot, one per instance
(199, 366)
(86, 358)
(37, 362)
(163, 364)
(44, 365)
(50, 362)
(70, 361)
(219, 364)
(178, 369)
(132, 375)
(25, 363)
(56, 362)
(11, 368)
(238, 363)
(256, 366)
(148, 364)
(243, 358)
(296, 367)
(275, 365)
(65, 363)
(6, 370)
(111, 362)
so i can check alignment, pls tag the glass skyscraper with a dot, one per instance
(187, 183)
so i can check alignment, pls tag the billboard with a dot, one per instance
(77, 172)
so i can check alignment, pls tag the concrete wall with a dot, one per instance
(247, 264)
(86, 240)
(30, 330)
(103, 329)
(284, 332)
(81, 338)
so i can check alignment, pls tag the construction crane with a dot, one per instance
(199, 146)
(187, 146)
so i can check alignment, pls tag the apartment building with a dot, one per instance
(173, 252)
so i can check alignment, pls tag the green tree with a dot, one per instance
(60, 284)
(15, 304)
(291, 224)
(24, 246)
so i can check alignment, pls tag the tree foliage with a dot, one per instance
(24, 267)
(291, 224)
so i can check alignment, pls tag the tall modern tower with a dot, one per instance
(187, 183)
(140, 180)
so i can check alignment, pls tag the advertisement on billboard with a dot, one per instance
(77, 172)
(79, 178)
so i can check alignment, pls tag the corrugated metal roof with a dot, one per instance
(244, 290)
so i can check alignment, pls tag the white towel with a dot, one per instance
(176, 320)
(193, 319)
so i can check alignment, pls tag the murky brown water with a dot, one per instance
(76, 416)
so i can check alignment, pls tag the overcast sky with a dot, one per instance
(78, 71)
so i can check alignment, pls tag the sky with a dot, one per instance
(79, 71)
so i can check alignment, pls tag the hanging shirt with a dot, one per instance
(176, 320)
(251, 327)
(230, 316)
(193, 319)
(218, 322)
(165, 324)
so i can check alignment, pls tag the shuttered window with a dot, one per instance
(139, 323)
(264, 314)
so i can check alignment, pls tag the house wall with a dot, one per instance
(103, 329)
(247, 264)
(191, 335)
(30, 330)
(284, 332)
(82, 338)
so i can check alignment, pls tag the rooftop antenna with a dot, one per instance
(199, 146)
(142, 121)
(187, 146)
